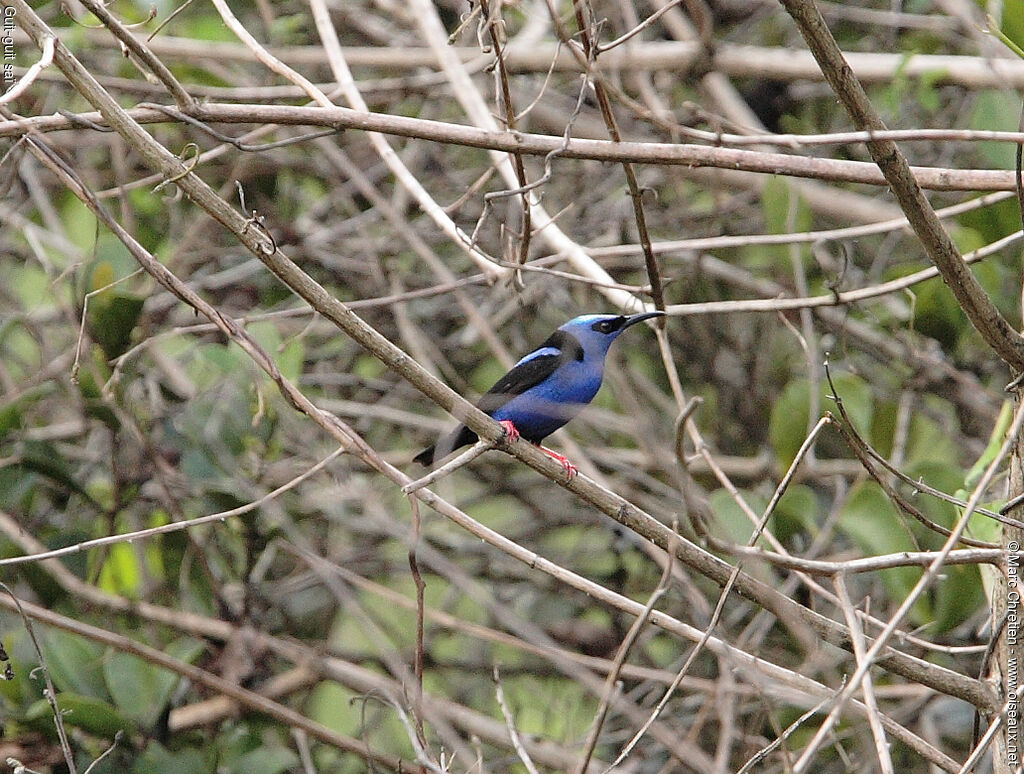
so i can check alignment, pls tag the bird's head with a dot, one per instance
(596, 332)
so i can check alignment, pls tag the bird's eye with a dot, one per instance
(606, 326)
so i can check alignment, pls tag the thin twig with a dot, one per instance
(763, 753)
(463, 459)
(671, 154)
(594, 734)
(26, 80)
(510, 723)
(50, 691)
(141, 52)
(859, 649)
(602, 48)
(105, 753)
(417, 578)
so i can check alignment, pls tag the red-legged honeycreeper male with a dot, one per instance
(549, 386)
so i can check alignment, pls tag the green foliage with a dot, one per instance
(876, 527)
(94, 716)
(733, 523)
(121, 572)
(1012, 21)
(347, 713)
(112, 311)
(923, 90)
(100, 691)
(252, 755)
(31, 286)
(157, 759)
(75, 664)
(288, 355)
(937, 314)
(790, 417)
(140, 690)
(997, 111)
(785, 211)
(992, 222)
(957, 598)
(43, 458)
(795, 513)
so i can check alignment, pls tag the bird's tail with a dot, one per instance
(462, 436)
(425, 457)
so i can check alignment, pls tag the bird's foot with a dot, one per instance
(510, 429)
(570, 470)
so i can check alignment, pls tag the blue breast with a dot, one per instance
(544, 408)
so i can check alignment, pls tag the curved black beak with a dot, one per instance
(634, 319)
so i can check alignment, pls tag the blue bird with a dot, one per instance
(548, 387)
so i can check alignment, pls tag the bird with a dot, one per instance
(547, 387)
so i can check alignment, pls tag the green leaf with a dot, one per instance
(873, 522)
(140, 690)
(547, 707)
(157, 759)
(264, 760)
(937, 313)
(92, 715)
(20, 348)
(788, 424)
(113, 311)
(112, 320)
(1011, 31)
(930, 443)
(856, 396)
(785, 211)
(44, 458)
(737, 525)
(956, 597)
(330, 704)
(796, 512)
(75, 663)
(32, 287)
(11, 418)
(95, 405)
(984, 528)
(121, 573)
(995, 110)
(79, 224)
(928, 95)
(944, 477)
(291, 359)
(995, 443)
(876, 527)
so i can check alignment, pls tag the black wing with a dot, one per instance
(531, 373)
(521, 378)
(517, 381)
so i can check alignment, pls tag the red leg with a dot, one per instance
(513, 434)
(570, 469)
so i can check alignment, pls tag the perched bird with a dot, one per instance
(548, 387)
